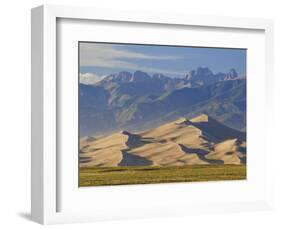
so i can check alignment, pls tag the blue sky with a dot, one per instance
(101, 59)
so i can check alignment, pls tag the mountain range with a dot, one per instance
(201, 140)
(138, 101)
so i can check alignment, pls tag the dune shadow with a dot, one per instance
(214, 129)
(207, 144)
(135, 140)
(133, 160)
(242, 149)
(243, 160)
(229, 153)
(201, 153)
(83, 159)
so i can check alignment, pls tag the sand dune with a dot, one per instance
(105, 151)
(201, 140)
(228, 151)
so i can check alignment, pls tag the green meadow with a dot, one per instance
(123, 175)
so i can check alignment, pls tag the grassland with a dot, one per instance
(121, 175)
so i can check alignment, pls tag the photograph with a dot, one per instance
(146, 113)
(155, 113)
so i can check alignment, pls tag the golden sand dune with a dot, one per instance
(229, 151)
(105, 151)
(168, 153)
(201, 140)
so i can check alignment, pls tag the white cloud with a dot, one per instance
(90, 78)
(109, 56)
(93, 54)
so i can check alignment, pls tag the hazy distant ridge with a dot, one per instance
(137, 101)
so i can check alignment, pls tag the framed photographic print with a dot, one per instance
(163, 125)
(138, 114)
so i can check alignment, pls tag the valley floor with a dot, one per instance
(121, 175)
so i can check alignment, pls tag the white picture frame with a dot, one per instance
(46, 165)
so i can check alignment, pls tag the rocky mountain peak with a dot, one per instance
(124, 76)
(232, 74)
(140, 76)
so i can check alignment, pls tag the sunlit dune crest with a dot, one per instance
(201, 140)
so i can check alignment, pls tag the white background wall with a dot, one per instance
(15, 113)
